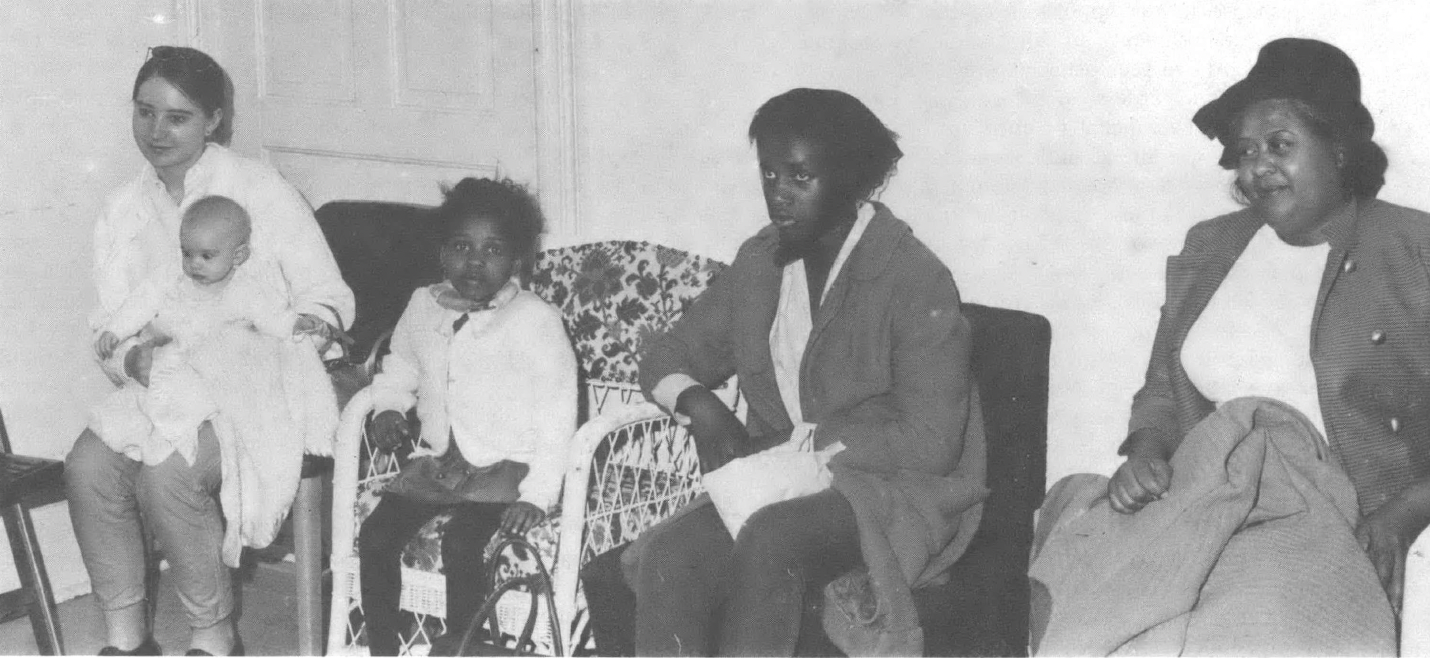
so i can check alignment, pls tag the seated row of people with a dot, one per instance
(858, 473)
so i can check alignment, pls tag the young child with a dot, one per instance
(493, 376)
(221, 344)
(167, 323)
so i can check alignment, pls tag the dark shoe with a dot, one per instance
(146, 648)
(237, 650)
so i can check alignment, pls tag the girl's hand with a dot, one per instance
(520, 517)
(389, 429)
(719, 435)
(1140, 480)
(105, 344)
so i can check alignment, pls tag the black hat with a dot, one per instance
(1302, 69)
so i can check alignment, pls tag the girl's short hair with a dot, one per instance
(200, 79)
(857, 141)
(507, 203)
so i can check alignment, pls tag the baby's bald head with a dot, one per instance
(214, 237)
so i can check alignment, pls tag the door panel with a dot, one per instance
(381, 99)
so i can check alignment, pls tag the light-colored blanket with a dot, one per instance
(1251, 552)
(275, 402)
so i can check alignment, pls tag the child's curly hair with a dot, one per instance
(508, 204)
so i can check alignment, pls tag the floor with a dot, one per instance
(267, 622)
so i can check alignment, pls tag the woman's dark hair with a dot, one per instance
(855, 139)
(508, 204)
(1364, 164)
(200, 79)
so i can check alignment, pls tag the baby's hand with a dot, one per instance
(105, 344)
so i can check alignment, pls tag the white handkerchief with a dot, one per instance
(787, 471)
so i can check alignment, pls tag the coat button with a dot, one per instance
(1394, 424)
(1377, 337)
(1348, 266)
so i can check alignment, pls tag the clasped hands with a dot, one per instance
(390, 429)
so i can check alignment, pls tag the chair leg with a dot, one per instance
(307, 558)
(30, 566)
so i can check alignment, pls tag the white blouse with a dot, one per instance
(1254, 337)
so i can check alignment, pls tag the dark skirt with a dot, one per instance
(449, 479)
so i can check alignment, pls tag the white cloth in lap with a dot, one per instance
(792, 469)
(178, 400)
(1254, 337)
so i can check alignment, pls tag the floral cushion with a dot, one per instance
(614, 295)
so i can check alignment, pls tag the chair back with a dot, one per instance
(614, 296)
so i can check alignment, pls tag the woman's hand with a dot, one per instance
(139, 360)
(1138, 481)
(520, 517)
(389, 429)
(312, 325)
(105, 344)
(719, 435)
(1386, 536)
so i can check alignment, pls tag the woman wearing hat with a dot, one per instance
(1357, 311)
(1316, 295)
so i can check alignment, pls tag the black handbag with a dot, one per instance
(482, 635)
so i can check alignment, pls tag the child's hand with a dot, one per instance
(389, 429)
(105, 344)
(520, 517)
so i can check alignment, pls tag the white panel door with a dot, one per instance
(385, 99)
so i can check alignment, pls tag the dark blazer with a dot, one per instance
(1370, 340)
(885, 371)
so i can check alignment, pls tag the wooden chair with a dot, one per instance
(22, 479)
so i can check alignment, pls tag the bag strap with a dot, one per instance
(538, 586)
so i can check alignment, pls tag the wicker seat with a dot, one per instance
(611, 294)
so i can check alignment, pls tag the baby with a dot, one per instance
(164, 323)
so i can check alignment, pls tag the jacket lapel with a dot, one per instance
(867, 260)
(754, 314)
(1341, 233)
(1192, 279)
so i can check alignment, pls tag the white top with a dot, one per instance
(185, 310)
(1254, 338)
(504, 386)
(789, 336)
(136, 241)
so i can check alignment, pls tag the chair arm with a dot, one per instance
(569, 553)
(1415, 606)
(347, 450)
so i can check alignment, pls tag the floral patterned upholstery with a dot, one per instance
(617, 294)
(613, 296)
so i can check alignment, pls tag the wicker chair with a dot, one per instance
(612, 295)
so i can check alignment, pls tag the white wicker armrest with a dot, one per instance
(569, 555)
(1415, 607)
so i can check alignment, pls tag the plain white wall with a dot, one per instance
(1050, 157)
(66, 73)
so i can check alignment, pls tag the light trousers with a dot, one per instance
(112, 497)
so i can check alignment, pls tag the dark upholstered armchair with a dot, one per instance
(983, 609)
